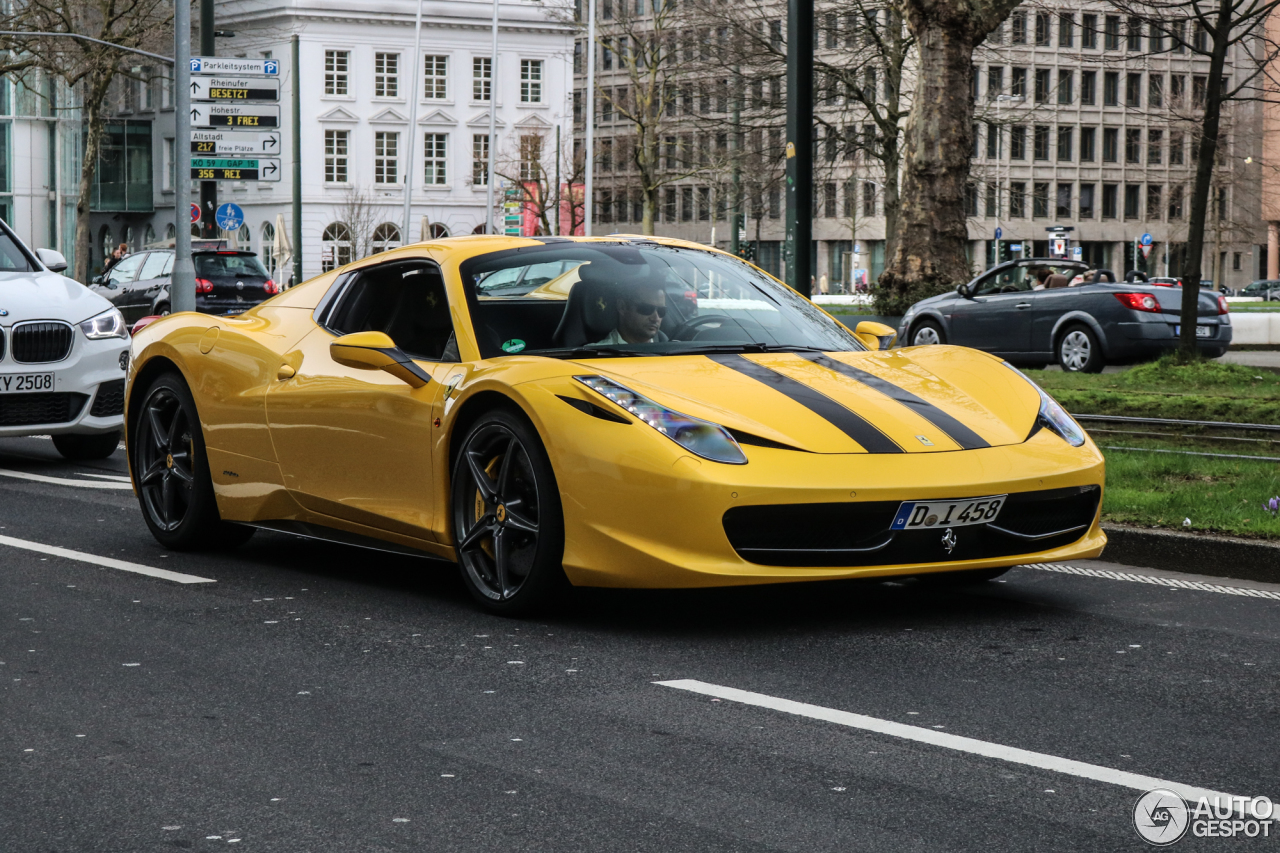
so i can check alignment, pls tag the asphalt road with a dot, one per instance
(318, 698)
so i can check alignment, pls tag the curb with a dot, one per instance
(1216, 556)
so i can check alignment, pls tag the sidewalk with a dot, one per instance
(1260, 358)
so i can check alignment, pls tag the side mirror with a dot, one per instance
(376, 351)
(963, 290)
(52, 259)
(876, 336)
(98, 280)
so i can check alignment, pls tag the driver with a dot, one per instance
(641, 307)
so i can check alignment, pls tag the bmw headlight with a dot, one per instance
(108, 324)
(708, 440)
(1052, 416)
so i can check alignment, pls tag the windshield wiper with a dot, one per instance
(719, 349)
(592, 352)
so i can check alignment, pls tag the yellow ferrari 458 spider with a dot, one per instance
(621, 411)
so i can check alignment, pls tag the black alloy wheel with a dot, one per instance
(171, 473)
(507, 525)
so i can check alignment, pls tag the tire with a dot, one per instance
(86, 447)
(953, 580)
(1078, 351)
(506, 520)
(171, 472)
(162, 309)
(927, 332)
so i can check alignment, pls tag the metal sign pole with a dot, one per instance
(414, 68)
(493, 97)
(588, 188)
(182, 285)
(296, 113)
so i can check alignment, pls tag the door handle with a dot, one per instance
(1021, 305)
(286, 371)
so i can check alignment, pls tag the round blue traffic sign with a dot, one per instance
(999, 233)
(1145, 239)
(229, 217)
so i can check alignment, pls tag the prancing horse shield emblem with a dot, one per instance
(949, 540)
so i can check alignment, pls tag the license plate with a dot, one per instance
(913, 515)
(1201, 331)
(25, 383)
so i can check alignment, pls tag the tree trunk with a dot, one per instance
(95, 89)
(931, 224)
(1200, 200)
(892, 199)
(650, 202)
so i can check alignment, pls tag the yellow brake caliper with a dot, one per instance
(486, 545)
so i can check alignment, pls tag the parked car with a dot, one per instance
(1268, 289)
(227, 282)
(63, 355)
(1082, 327)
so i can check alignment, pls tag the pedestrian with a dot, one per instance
(822, 284)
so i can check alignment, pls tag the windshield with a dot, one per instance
(238, 266)
(12, 258)
(603, 299)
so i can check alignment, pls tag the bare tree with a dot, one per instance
(360, 216)
(529, 165)
(90, 67)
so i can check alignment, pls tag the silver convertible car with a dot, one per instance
(1043, 310)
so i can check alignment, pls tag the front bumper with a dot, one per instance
(230, 304)
(633, 521)
(84, 396)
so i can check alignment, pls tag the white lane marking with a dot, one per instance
(947, 741)
(60, 481)
(1159, 581)
(106, 562)
(119, 478)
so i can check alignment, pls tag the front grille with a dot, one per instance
(32, 409)
(858, 534)
(109, 400)
(1, 343)
(35, 343)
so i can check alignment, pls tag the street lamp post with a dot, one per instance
(182, 285)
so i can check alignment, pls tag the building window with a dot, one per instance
(868, 198)
(335, 71)
(1017, 200)
(971, 199)
(1133, 145)
(1063, 208)
(1111, 40)
(686, 204)
(995, 82)
(1065, 87)
(1235, 261)
(829, 205)
(1134, 35)
(1155, 141)
(1154, 202)
(1065, 135)
(669, 204)
(480, 159)
(1018, 81)
(1086, 201)
(993, 142)
(1110, 145)
(1178, 35)
(335, 247)
(1041, 151)
(386, 236)
(481, 78)
(435, 75)
(386, 75)
(1109, 201)
(1088, 87)
(1040, 201)
(1018, 27)
(704, 204)
(1133, 90)
(993, 201)
(435, 147)
(1111, 89)
(1089, 31)
(1132, 197)
(1042, 85)
(168, 176)
(386, 151)
(1042, 28)
(335, 156)
(1177, 89)
(1155, 91)
(531, 81)
(530, 157)
(1087, 135)
(1199, 92)
(1018, 142)
(1066, 29)
(1175, 148)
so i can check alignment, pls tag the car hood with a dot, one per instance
(47, 296)
(915, 400)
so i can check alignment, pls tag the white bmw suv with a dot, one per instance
(63, 354)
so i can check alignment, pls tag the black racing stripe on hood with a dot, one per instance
(848, 422)
(958, 432)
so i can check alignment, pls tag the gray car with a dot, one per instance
(1267, 289)
(227, 282)
(1082, 320)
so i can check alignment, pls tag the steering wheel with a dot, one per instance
(1008, 288)
(694, 323)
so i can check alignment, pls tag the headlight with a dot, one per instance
(1052, 416)
(708, 440)
(108, 324)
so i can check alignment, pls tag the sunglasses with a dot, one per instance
(645, 310)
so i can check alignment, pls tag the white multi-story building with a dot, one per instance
(39, 169)
(356, 81)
